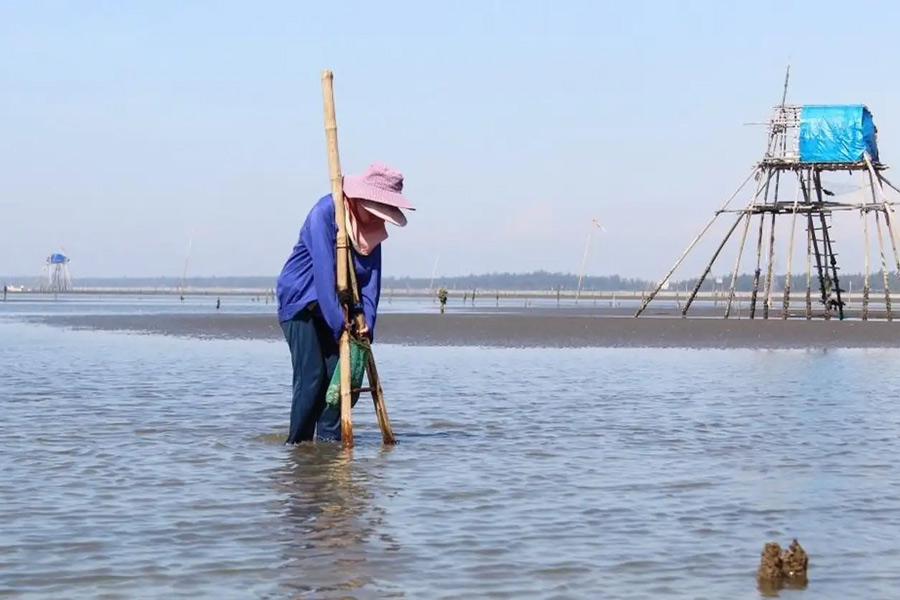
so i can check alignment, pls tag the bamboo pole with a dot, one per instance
(884, 272)
(865, 313)
(786, 303)
(889, 210)
(587, 245)
(384, 423)
(696, 289)
(755, 290)
(809, 234)
(767, 294)
(873, 176)
(892, 235)
(737, 265)
(762, 221)
(882, 178)
(342, 251)
(737, 261)
(692, 244)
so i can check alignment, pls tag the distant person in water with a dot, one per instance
(308, 308)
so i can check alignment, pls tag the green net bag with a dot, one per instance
(359, 353)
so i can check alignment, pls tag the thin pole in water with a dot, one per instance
(342, 251)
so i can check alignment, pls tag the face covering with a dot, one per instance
(364, 235)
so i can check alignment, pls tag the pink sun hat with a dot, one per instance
(380, 184)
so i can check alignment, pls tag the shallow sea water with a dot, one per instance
(136, 466)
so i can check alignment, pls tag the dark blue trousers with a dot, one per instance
(314, 356)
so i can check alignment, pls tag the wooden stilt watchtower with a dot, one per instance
(805, 142)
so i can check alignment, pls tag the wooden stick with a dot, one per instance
(691, 245)
(737, 261)
(892, 234)
(737, 265)
(786, 303)
(884, 179)
(337, 195)
(755, 290)
(767, 294)
(873, 176)
(696, 289)
(809, 235)
(884, 272)
(387, 434)
(865, 314)
(384, 423)
(762, 221)
(888, 210)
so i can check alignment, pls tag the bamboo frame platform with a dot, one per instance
(781, 162)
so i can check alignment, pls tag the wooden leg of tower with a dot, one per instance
(809, 234)
(737, 264)
(865, 224)
(767, 295)
(762, 220)
(786, 304)
(755, 291)
(748, 212)
(884, 271)
(892, 235)
(718, 251)
(877, 189)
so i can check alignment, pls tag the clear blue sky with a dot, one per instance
(123, 125)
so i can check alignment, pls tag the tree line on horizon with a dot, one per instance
(533, 281)
(548, 281)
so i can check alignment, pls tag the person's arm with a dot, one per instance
(322, 250)
(371, 292)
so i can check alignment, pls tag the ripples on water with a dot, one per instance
(149, 467)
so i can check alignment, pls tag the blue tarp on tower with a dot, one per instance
(837, 134)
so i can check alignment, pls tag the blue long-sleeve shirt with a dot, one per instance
(310, 272)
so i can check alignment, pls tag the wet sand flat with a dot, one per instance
(528, 329)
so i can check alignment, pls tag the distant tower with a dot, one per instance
(805, 144)
(55, 276)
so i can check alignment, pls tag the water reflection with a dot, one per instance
(327, 520)
(772, 589)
